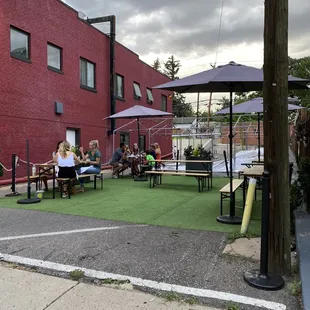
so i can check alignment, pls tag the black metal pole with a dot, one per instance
(226, 165)
(231, 218)
(112, 69)
(258, 138)
(140, 176)
(232, 207)
(265, 224)
(28, 170)
(178, 156)
(28, 200)
(13, 187)
(261, 278)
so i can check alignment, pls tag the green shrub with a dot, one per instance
(295, 202)
(304, 178)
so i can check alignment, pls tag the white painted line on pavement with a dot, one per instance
(147, 283)
(67, 232)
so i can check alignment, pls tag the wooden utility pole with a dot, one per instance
(276, 155)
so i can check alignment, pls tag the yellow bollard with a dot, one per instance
(248, 206)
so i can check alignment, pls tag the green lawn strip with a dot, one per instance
(175, 203)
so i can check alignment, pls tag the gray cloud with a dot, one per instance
(180, 27)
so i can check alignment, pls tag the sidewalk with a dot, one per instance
(22, 290)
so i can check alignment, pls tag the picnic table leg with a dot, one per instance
(69, 187)
(95, 182)
(54, 179)
(150, 186)
(221, 205)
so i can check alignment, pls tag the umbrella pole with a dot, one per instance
(140, 176)
(230, 218)
(258, 131)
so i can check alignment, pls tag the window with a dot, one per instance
(124, 137)
(136, 91)
(73, 136)
(20, 44)
(87, 74)
(119, 86)
(142, 142)
(54, 57)
(149, 95)
(164, 103)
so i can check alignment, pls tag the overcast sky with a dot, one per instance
(189, 29)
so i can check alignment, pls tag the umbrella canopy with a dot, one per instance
(139, 111)
(255, 106)
(230, 77)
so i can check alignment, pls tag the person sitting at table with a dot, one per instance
(149, 162)
(135, 149)
(119, 161)
(47, 171)
(158, 155)
(153, 153)
(93, 158)
(66, 161)
(134, 160)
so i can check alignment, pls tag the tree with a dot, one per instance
(156, 64)
(300, 68)
(276, 157)
(172, 67)
(179, 106)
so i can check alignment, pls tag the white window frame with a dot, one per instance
(87, 85)
(162, 102)
(59, 50)
(123, 87)
(149, 95)
(27, 47)
(136, 91)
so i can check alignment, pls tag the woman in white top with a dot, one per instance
(66, 161)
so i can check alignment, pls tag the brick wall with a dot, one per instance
(29, 90)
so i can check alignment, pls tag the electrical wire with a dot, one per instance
(219, 32)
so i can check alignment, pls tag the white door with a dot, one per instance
(71, 136)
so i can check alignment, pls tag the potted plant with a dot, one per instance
(198, 153)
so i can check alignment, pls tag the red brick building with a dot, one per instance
(55, 82)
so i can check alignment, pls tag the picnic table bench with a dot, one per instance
(200, 176)
(69, 182)
(225, 191)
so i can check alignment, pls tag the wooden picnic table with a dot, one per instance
(205, 164)
(48, 169)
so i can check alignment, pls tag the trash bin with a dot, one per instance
(40, 194)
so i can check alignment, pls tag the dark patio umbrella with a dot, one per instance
(230, 78)
(255, 105)
(138, 112)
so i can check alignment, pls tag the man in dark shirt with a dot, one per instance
(119, 160)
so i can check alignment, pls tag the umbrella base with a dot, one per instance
(270, 282)
(14, 194)
(27, 201)
(227, 219)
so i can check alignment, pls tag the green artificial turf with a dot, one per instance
(175, 203)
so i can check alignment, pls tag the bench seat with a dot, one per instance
(200, 177)
(225, 191)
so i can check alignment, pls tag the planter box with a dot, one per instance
(197, 166)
